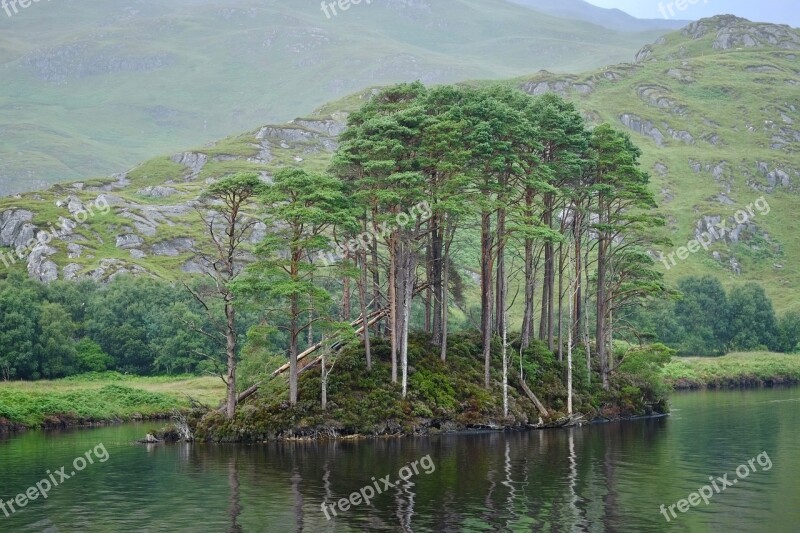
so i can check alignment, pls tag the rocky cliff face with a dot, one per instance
(103, 228)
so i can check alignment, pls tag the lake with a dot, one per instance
(609, 477)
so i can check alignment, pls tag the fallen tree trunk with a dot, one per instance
(529, 393)
(373, 317)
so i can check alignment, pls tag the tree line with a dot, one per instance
(705, 320)
(129, 325)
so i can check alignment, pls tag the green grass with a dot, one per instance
(733, 370)
(102, 397)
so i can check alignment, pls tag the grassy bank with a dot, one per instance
(754, 369)
(94, 398)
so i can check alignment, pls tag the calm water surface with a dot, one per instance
(610, 477)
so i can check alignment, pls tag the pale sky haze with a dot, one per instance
(778, 11)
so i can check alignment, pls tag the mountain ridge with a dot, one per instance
(614, 19)
(106, 85)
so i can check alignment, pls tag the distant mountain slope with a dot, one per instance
(613, 19)
(714, 108)
(103, 85)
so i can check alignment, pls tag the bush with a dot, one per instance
(91, 357)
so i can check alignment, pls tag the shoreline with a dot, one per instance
(56, 422)
(82, 402)
(64, 421)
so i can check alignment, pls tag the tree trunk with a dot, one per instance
(393, 304)
(445, 304)
(324, 381)
(437, 281)
(230, 350)
(362, 297)
(601, 333)
(546, 325)
(578, 299)
(560, 303)
(346, 311)
(500, 291)
(569, 343)
(586, 337)
(527, 314)
(408, 293)
(376, 281)
(448, 233)
(504, 334)
(293, 331)
(486, 294)
(428, 301)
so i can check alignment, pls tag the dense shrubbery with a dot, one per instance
(705, 320)
(442, 396)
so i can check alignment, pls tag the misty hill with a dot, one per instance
(714, 108)
(104, 85)
(613, 19)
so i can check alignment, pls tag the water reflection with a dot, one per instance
(611, 477)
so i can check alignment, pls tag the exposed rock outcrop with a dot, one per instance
(734, 32)
(644, 127)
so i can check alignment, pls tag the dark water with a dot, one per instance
(611, 477)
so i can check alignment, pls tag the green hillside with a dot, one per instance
(714, 108)
(104, 85)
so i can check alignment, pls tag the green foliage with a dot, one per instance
(34, 408)
(705, 321)
(789, 332)
(702, 316)
(55, 347)
(642, 368)
(752, 324)
(440, 395)
(134, 325)
(90, 357)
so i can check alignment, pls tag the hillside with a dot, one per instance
(105, 85)
(613, 19)
(694, 102)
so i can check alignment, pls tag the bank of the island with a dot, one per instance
(101, 398)
(443, 396)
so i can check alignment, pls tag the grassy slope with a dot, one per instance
(744, 109)
(103, 397)
(105, 85)
(733, 370)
